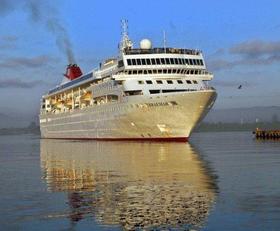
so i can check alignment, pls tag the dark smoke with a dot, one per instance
(43, 13)
(62, 39)
(40, 12)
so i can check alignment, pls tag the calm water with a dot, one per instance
(218, 181)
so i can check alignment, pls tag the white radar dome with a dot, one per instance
(145, 44)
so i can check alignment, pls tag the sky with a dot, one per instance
(240, 41)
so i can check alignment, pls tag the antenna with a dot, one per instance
(164, 41)
(124, 25)
(125, 42)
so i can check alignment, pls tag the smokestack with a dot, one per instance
(73, 71)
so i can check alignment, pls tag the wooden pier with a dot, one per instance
(267, 134)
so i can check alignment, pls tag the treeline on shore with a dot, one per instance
(31, 129)
(227, 127)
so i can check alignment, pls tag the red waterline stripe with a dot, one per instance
(151, 139)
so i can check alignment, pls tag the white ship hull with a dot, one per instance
(165, 117)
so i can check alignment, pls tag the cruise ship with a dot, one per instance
(145, 93)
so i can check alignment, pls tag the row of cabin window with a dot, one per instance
(166, 71)
(168, 81)
(164, 61)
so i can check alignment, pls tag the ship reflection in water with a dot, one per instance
(132, 185)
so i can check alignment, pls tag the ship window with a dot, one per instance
(169, 81)
(154, 91)
(129, 72)
(201, 62)
(120, 63)
(145, 72)
(180, 61)
(167, 61)
(194, 81)
(154, 71)
(196, 72)
(140, 82)
(133, 61)
(191, 62)
(178, 71)
(172, 61)
(129, 62)
(136, 92)
(188, 82)
(149, 82)
(162, 61)
(143, 61)
(140, 71)
(180, 81)
(138, 61)
(173, 90)
(174, 71)
(159, 71)
(150, 71)
(176, 61)
(148, 61)
(187, 61)
(169, 71)
(164, 71)
(158, 61)
(159, 81)
(184, 61)
(134, 72)
(153, 61)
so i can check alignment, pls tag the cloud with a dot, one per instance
(33, 62)
(8, 41)
(256, 48)
(9, 38)
(220, 64)
(6, 6)
(18, 83)
(255, 52)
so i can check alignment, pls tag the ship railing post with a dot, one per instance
(79, 97)
(73, 102)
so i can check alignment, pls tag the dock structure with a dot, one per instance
(266, 134)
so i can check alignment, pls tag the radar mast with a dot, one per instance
(125, 43)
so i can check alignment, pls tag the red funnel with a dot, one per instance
(73, 71)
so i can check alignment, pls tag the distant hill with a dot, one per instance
(244, 115)
(14, 120)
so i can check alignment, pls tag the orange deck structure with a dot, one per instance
(267, 134)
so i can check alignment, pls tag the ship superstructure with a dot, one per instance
(144, 93)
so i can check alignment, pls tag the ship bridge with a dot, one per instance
(159, 50)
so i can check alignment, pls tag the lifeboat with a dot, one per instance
(87, 96)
